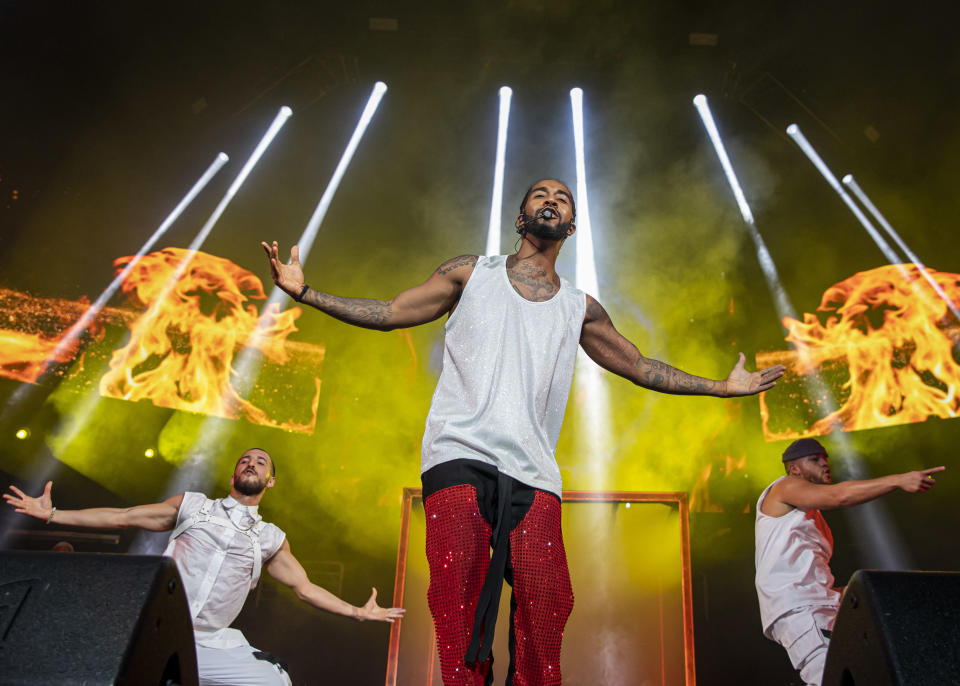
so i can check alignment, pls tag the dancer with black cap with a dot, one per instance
(798, 603)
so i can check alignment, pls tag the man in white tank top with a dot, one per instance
(220, 547)
(489, 470)
(798, 602)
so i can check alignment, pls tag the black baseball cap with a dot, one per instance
(803, 447)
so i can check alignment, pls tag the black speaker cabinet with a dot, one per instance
(897, 628)
(74, 618)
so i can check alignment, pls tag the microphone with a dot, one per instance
(545, 213)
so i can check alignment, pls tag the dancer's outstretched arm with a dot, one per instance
(153, 517)
(804, 495)
(608, 348)
(286, 569)
(418, 305)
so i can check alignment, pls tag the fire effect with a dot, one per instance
(889, 349)
(180, 350)
(31, 335)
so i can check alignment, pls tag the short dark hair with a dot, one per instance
(526, 196)
(273, 465)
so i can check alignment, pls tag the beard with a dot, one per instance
(543, 230)
(249, 485)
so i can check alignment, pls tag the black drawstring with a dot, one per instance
(485, 619)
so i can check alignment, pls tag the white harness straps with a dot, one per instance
(204, 514)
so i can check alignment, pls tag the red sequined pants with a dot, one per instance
(458, 552)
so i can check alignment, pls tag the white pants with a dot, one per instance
(237, 667)
(801, 633)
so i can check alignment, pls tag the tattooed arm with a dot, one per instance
(605, 346)
(418, 305)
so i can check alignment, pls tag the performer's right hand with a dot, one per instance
(35, 507)
(920, 481)
(288, 276)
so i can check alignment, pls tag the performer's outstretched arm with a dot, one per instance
(286, 569)
(804, 495)
(153, 517)
(418, 305)
(608, 348)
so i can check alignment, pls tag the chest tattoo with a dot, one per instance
(531, 282)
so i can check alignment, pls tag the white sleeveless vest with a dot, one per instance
(793, 562)
(507, 367)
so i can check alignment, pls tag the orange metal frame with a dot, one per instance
(410, 494)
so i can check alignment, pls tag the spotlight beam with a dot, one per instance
(76, 330)
(586, 264)
(278, 121)
(850, 183)
(110, 290)
(797, 135)
(592, 392)
(781, 299)
(213, 431)
(310, 232)
(78, 419)
(886, 549)
(496, 203)
(794, 132)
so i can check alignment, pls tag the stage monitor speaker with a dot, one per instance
(897, 629)
(88, 618)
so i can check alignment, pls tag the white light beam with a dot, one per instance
(88, 316)
(797, 135)
(310, 232)
(850, 183)
(78, 418)
(782, 300)
(76, 330)
(211, 436)
(496, 203)
(586, 274)
(886, 548)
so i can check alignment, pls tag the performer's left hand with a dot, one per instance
(741, 382)
(374, 612)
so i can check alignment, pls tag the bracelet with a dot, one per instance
(303, 292)
(52, 510)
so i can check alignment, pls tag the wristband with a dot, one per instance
(303, 292)
(50, 518)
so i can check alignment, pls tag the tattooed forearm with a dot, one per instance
(364, 312)
(659, 376)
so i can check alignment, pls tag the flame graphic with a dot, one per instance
(25, 356)
(28, 356)
(898, 343)
(180, 352)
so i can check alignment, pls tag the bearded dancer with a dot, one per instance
(489, 473)
(219, 547)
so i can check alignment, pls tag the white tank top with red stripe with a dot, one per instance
(793, 562)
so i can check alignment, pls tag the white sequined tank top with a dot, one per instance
(507, 368)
